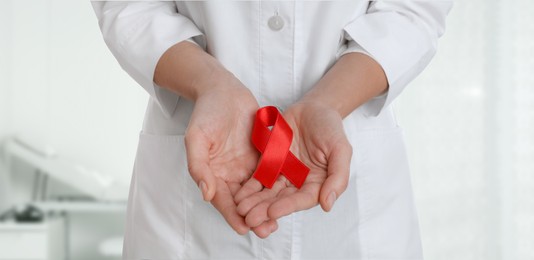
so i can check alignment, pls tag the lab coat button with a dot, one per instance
(276, 23)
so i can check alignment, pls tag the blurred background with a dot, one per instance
(69, 121)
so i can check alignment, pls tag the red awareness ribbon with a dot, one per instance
(274, 146)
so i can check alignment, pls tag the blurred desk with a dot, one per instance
(33, 241)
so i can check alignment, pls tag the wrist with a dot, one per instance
(212, 79)
(190, 72)
(322, 102)
(310, 108)
(352, 81)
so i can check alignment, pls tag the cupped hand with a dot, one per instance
(220, 155)
(320, 142)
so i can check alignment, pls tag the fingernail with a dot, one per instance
(331, 199)
(203, 188)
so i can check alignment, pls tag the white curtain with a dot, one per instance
(469, 123)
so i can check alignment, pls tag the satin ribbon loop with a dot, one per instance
(274, 145)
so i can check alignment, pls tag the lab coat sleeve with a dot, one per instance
(402, 37)
(138, 33)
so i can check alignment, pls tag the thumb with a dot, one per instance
(338, 175)
(197, 150)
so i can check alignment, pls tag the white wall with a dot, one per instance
(5, 43)
(65, 90)
(469, 121)
(68, 92)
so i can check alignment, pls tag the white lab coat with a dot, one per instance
(374, 219)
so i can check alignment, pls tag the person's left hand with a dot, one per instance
(319, 141)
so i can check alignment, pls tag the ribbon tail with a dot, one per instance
(295, 171)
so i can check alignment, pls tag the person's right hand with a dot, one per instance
(220, 155)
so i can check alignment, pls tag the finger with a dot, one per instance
(295, 200)
(338, 176)
(234, 187)
(251, 186)
(254, 199)
(197, 150)
(259, 214)
(223, 201)
(266, 228)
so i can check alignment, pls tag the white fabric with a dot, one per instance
(374, 219)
